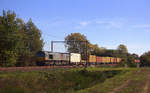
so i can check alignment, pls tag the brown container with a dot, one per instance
(99, 59)
(114, 60)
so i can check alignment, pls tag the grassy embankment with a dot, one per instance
(92, 80)
(134, 81)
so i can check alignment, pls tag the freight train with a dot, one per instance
(56, 58)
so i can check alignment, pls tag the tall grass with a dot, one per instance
(54, 81)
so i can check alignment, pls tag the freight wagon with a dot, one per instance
(92, 58)
(103, 60)
(99, 60)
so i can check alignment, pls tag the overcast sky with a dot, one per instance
(107, 23)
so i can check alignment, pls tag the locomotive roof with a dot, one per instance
(56, 52)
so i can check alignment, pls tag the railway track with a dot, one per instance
(30, 68)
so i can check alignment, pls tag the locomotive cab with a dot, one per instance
(40, 58)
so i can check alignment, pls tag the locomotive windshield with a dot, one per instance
(40, 54)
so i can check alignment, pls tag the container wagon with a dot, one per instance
(92, 59)
(99, 60)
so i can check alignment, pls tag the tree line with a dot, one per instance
(93, 49)
(19, 40)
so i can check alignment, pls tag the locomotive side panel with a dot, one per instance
(65, 56)
(55, 56)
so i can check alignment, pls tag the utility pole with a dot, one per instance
(51, 46)
(86, 64)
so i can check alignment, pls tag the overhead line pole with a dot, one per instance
(51, 46)
(85, 48)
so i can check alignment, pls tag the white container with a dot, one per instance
(75, 57)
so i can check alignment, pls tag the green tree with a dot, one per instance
(32, 43)
(77, 43)
(145, 59)
(131, 60)
(9, 37)
(122, 52)
(122, 49)
(136, 56)
(95, 50)
(19, 41)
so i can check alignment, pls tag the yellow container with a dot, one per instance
(118, 60)
(103, 59)
(107, 59)
(92, 58)
(111, 59)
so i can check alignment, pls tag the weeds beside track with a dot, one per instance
(30, 68)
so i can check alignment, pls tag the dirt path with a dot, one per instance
(145, 89)
(116, 90)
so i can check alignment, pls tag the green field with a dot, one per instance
(77, 80)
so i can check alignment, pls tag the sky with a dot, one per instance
(107, 23)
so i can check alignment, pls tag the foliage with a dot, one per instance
(145, 59)
(122, 49)
(77, 43)
(131, 60)
(121, 52)
(19, 40)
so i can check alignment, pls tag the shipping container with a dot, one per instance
(104, 60)
(118, 60)
(99, 59)
(92, 58)
(114, 60)
(75, 57)
(111, 59)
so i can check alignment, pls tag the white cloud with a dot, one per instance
(142, 26)
(84, 23)
(116, 24)
(111, 23)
